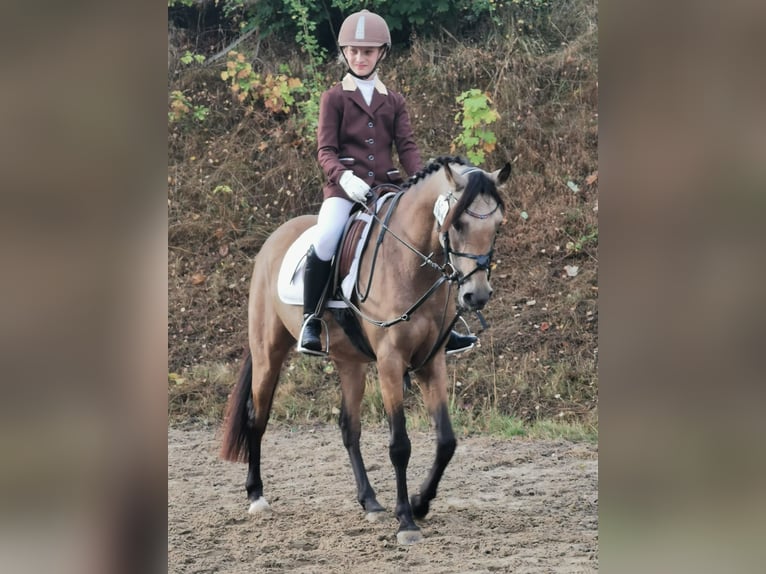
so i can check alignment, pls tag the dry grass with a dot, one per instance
(538, 362)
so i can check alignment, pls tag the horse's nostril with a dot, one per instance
(480, 301)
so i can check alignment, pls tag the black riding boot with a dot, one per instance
(315, 276)
(458, 343)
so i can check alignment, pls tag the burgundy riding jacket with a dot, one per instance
(352, 135)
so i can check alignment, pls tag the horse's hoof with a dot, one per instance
(377, 516)
(406, 537)
(258, 506)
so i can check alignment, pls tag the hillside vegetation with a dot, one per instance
(240, 166)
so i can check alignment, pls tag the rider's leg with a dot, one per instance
(315, 276)
(330, 223)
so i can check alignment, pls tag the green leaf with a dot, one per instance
(486, 135)
(476, 157)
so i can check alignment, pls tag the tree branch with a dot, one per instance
(242, 38)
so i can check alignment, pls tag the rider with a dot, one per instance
(359, 120)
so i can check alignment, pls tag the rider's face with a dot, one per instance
(361, 60)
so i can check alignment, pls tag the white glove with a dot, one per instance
(354, 186)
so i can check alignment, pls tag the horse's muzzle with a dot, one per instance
(475, 300)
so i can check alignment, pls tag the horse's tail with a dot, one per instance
(238, 412)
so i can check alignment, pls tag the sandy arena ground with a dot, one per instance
(516, 505)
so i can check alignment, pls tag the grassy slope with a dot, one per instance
(538, 362)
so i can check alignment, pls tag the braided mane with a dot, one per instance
(433, 166)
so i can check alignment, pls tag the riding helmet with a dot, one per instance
(364, 29)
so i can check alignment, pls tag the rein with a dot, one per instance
(445, 275)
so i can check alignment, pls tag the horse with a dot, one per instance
(438, 231)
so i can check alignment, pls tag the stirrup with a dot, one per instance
(301, 349)
(463, 349)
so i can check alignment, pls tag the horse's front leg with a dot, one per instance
(352, 391)
(399, 448)
(435, 394)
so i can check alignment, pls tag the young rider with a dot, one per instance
(359, 121)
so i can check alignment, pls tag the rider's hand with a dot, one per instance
(354, 186)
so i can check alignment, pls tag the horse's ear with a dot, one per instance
(457, 180)
(500, 176)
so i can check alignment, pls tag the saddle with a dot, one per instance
(355, 229)
(347, 248)
(346, 261)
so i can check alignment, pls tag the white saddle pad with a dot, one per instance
(290, 280)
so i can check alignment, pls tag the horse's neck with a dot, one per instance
(415, 219)
(404, 251)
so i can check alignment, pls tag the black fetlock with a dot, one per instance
(458, 343)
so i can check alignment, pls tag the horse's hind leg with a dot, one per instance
(352, 391)
(249, 405)
(435, 395)
(269, 347)
(264, 386)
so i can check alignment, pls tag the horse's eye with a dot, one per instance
(458, 225)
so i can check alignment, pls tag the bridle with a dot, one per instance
(483, 261)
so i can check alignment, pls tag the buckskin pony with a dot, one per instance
(437, 233)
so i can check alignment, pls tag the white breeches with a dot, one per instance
(332, 219)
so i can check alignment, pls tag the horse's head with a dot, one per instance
(468, 216)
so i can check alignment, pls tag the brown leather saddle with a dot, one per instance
(353, 232)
